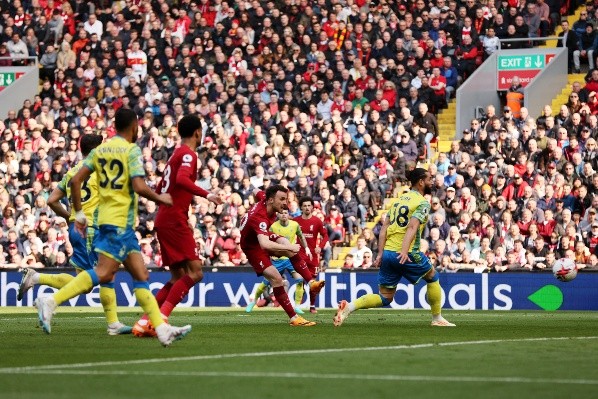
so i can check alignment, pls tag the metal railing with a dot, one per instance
(529, 39)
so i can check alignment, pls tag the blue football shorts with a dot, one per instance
(392, 271)
(116, 242)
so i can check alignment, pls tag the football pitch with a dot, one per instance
(376, 354)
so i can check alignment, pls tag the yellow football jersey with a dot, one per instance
(409, 205)
(116, 163)
(290, 232)
(89, 193)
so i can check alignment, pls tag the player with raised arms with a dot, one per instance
(258, 244)
(400, 255)
(84, 257)
(177, 244)
(121, 179)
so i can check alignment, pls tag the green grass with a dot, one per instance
(375, 354)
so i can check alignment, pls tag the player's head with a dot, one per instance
(306, 204)
(420, 180)
(125, 122)
(276, 197)
(283, 216)
(189, 126)
(89, 142)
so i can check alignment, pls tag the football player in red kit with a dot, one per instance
(259, 244)
(311, 227)
(177, 244)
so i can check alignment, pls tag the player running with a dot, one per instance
(290, 230)
(401, 235)
(177, 245)
(121, 178)
(258, 243)
(312, 226)
(84, 257)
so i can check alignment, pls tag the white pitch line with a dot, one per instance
(16, 370)
(310, 376)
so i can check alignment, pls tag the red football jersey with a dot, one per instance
(178, 180)
(254, 223)
(310, 229)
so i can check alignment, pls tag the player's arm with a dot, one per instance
(76, 183)
(141, 188)
(137, 177)
(185, 181)
(54, 199)
(381, 242)
(303, 241)
(412, 228)
(55, 205)
(271, 246)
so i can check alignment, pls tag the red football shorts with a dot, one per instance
(314, 263)
(177, 245)
(259, 259)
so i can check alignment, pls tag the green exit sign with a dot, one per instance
(521, 62)
(6, 78)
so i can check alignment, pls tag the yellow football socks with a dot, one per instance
(108, 299)
(299, 290)
(148, 302)
(259, 291)
(368, 301)
(55, 280)
(435, 297)
(78, 285)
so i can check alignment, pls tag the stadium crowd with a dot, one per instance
(334, 99)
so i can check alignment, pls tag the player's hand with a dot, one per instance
(377, 261)
(403, 257)
(295, 248)
(318, 250)
(215, 198)
(308, 253)
(81, 223)
(165, 199)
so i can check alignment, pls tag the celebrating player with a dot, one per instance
(401, 235)
(121, 178)
(311, 226)
(177, 245)
(258, 244)
(290, 230)
(84, 257)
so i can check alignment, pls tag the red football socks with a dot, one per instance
(300, 267)
(163, 293)
(283, 300)
(178, 291)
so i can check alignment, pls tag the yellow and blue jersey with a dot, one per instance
(290, 232)
(409, 205)
(89, 193)
(116, 163)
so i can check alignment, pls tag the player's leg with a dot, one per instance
(259, 291)
(84, 282)
(79, 260)
(88, 259)
(300, 265)
(434, 295)
(165, 332)
(192, 274)
(31, 277)
(298, 281)
(389, 276)
(275, 279)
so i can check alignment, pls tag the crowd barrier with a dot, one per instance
(462, 291)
